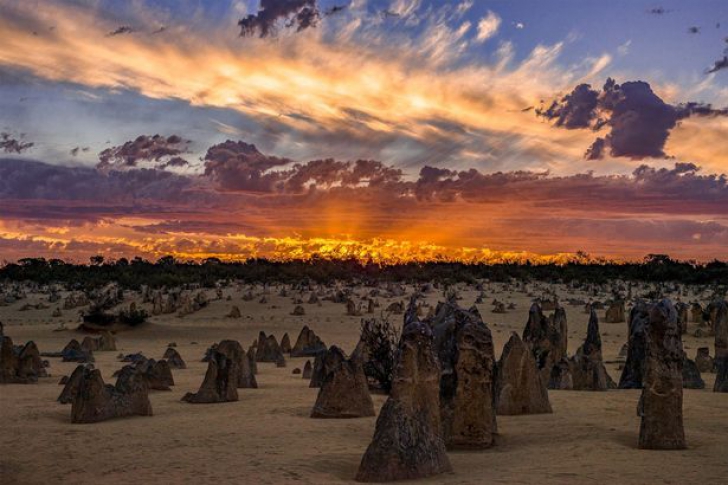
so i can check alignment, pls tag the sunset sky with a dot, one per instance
(393, 129)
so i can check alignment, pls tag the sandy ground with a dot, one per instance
(268, 438)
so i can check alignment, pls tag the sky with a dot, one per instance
(394, 130)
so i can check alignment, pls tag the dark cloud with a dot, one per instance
(575, 110)
(124, 29)
(694, 30)
(719, 65)
(76, 150)
(658, 11)
(639, 121)
(165, 151)
(10, 144)
(240, 166)
(300, 14)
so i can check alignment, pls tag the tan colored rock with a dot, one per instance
(95, 401)
(174, 359)
(521, 389)
(220, 383)
(234, 312)
(661, 403)
(344, 393)
(408, 442)
(308, 344)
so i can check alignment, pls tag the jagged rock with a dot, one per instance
(135, 358)
(682, 317)
(174, 359)
(633, 370)
(95, 401)
(691, 374)
(720, 320)
(220, 383)
(307, 370)
(703, 360)
(234, 312)
(467, 382)
(308, 344)
(234, 351)
(499, 307)
(561, 377)
(252, 352)
(20, 365)
(615, 312)
(587, 367)
(71, 385)
(661, 406)
(521, 389)
(281, 361)
(298, 311)
(325, 362)
(407, 442)
(344, 393)
(286, 344)
(268, 349)
(547, 337)
(157, 373)
(73, 352)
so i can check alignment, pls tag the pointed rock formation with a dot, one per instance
(173, 358)
(20, 365)
(615, 312)
(587, 367)
(220, 384)
(286, 344)
(467, 383)
(268, 349)
(521, 389)
(95, 401)
(633, 370)
(308, 344)
(703, 360)
(234, 312)
(70, 389)
(691, 375)
(407, 441)
(661, 406)
(324, 363)
(307, 370)
(344, 393)
(234, 351)
(547, 337)
(73, 352)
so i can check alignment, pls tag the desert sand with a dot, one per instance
(267, 437)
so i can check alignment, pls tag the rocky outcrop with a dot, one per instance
(344, 393)
(407, 441)
(307, 370)
(633, 370)
(464, 347)
(70, 389)
(520, 387)
(234, 312)
(174, 359)
(587, 366)
(220, 383)
(104, 342)
(268, 349)
(234, 351)
(20, 365)
(95, 401)
(615, 312)
(324, 363)
(286, 344)
(703, 360)
(661, 403)
(691, 374)
(308, 344)
(547, 337)
(73, 352)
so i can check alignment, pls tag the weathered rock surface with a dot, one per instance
(268, 349)
(633, 370)
(407, 442)
(324, 363)
(20, 365)
(234, 351)
(220, 383)
(344, 393)
(520, 387)
(661, 403)
(70, 389)
(308, 344)
(464, 348)
(587, 367)
(174, 359)
(547, 337)
(95, 401)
